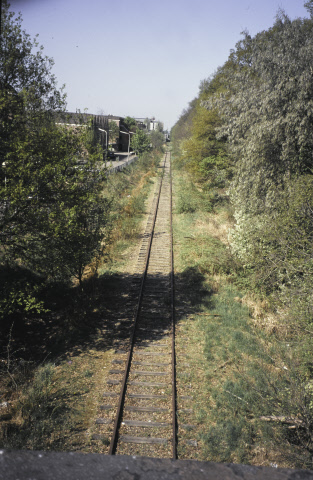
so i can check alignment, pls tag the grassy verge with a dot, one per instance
(129, 190)
(250, 405)
(56, 349)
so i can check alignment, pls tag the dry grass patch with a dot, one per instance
(212, 226)
(263, 316)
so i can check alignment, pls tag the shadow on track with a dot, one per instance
(70, 320)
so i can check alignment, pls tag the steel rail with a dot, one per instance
(174, 392)
(118, 417)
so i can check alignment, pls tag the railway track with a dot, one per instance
(139, 416)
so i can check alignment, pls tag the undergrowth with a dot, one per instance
(256, 405)
(56, 338)
(129, 192)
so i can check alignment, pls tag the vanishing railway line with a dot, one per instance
(140, 416)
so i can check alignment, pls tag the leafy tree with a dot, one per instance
(261, 99)
(130, 123)
(156, 139)
(205, 155)
(140, 142)
(45, 196)
(182, 129)
(76, 236)
(309, 7)
(267, 112)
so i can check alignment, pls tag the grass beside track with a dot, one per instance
(237, 369)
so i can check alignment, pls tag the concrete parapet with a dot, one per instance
(122, 164)
(31, 465)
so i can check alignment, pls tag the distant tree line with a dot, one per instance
(251, 129)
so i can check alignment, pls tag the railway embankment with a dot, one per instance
(229, 368)
(247, 401)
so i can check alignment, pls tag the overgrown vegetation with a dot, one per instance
(61, 218)
(52, 210)
(255, 407)
(140, 142)
(57, 339)
(248, 136)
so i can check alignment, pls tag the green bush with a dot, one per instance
(20, 298)
(186, 204)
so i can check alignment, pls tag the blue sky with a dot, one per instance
(139, 57)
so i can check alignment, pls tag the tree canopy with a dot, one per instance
(130, 123)
(51, 208)
(156, 139)
(252, 126)
(140, 142)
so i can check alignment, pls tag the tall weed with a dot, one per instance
(41, 411)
